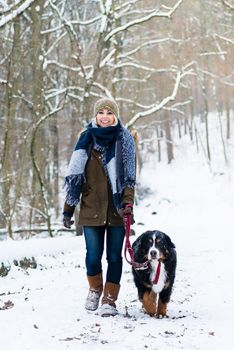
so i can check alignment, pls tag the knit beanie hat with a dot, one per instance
(108, 104)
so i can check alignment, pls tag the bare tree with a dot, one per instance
(162, 74)
(8, 171)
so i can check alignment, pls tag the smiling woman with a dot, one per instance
(106, 117)
(102, 173)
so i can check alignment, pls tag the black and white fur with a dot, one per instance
(153, 246)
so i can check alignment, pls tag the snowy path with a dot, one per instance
(196, 210)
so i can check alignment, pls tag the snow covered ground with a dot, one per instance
(192, 205)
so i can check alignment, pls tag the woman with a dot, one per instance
(102, 171)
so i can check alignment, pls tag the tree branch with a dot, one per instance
(22, 6)
(225, 39)
(157, 106)
(73, 37)
(227, 4)
(141, 20)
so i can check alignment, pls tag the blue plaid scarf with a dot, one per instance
(118, 157)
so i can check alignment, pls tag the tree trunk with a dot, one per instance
(8, 150)
(228, 132)
(205, 115)
(179, 127)
(38, 107)
(169, 143)
(221, 134)
(159, 136)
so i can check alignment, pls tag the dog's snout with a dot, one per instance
(153, 254)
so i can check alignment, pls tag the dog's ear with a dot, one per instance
(140, 240)
(169, 242)
(137, 244)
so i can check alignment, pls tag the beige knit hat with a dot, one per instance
(108, 104)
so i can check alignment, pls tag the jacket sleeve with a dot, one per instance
(68, 210)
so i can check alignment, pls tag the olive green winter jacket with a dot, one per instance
(96, 205)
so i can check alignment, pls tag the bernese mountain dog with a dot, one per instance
(154, 281)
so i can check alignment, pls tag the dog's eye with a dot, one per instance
(158, 240)
(151, 240)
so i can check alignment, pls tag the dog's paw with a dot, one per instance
(161, 316)
(161, 310)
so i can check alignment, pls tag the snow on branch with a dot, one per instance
(51, 30)
(135, 103)
(225, 39)
(175, 110)
(88, 21)
(109, 58)
(126, 5)
(36, 125)
(174, 107)
(61, 65)
(4, 5)
(213, 53)
(56, 92)
(224, 81)
(147, 43)
(8, 7)
(160, 105)
(64, 21)
(155, 13)
(21, 7)
(73, 37)
(135, 65)
(143, 67)
(104, 89)
(226, 3)
(55, 43)
(131, 80)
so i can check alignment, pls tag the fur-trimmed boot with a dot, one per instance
(110, 295)
(95, 292)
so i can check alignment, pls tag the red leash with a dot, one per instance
(128, 247)
(157, 272)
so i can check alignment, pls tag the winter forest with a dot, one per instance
(168, 64)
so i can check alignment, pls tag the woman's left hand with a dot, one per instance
(126, 209)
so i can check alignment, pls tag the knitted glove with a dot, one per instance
(67, 222)
(68, 212)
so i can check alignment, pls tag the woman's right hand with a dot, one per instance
(67, 221)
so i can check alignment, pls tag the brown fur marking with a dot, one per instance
(149, 302)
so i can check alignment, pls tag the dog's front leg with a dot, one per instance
(149, 302)
(161, 309)
(163, 300)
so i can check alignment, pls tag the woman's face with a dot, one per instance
(105, 118)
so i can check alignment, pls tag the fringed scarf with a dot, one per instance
(118, 157)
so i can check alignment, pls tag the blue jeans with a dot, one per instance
(94, 239)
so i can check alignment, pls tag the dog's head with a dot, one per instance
(152, 245)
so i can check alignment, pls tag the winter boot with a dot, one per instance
(95, 291)
(110, 295)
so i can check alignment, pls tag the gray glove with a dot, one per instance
(67, 221)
